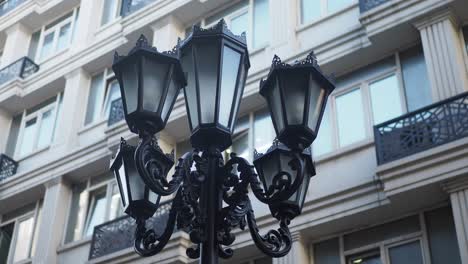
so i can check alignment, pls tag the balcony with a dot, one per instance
(118, 234)
(7, 167)
(21, 68)
(130, 6)
(116, 112)
(8, 5)
(429, 127)
(366, 5)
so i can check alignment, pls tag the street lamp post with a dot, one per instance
(210, 194)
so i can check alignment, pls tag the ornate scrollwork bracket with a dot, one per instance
(153, 165)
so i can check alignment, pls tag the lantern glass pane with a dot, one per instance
(207, 61)
(190, 89)
(274, 101)
(316, 98)
(123, 185)
(238, 95)
(294, 87)
(153, 197)
(170, 98)
(154, 75)
(136, 184)
(231, 60)
(130, 85)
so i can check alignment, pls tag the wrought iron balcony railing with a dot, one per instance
(422, 129)
(7, 167)
(366, 5)
(119, 234)
(8, 5)
(21, 68)
(116, 112)
(130, 6)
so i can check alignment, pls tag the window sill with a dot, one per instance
(34, 153)
(102, 28)
(304, 26)
(74, 244)
(24, 261)
(258, 50)
(344, 150)
(53, 56)
(91, 126)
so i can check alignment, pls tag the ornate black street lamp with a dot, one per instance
(210, 195)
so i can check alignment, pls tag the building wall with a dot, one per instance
(350, 194)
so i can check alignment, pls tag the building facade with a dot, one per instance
(391, 156)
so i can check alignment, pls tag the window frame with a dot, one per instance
(38, 114)
(383, 246)
(31, 243)
(464, 42)
(364, 85)
(56, 31)
(324, 13)
(83, 220)
(228, 17)
(108, 78)
(117, 13)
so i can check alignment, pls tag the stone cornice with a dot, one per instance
(456, 185)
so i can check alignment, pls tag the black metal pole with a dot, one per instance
(210, 205)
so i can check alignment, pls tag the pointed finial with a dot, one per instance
(221, 24)
(116, 56)
(142, 41)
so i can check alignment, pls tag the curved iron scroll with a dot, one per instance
(147, 242)
(281, 189)
(152, 165)
(239, 212)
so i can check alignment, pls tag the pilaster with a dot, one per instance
(53, 218)
(5, 123)
(16, 44)
(444, 54)
(87, 22)
(166, 32)
(458, 190)
(298, 253)
(73, 107)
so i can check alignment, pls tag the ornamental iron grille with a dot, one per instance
(130, 6)
(423, 129)
(7, 167)
(366, 5)
(119, 234)
(21, 68)
(116, 112)
(8, 5)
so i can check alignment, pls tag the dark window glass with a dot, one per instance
(415, 78)
(6, 234)
(409, 253)
(382, 232)
(327, 252)
(372, 257)
(465, 34)
(442, 236)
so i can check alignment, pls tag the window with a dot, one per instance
(93, 202)
(54, 37)
(350, 117)
(313, 10)
(399, 241)
(103, 91)
(37, 127)
(18, 234)
(246, 16)
(110, 11)
(264, 260)
(370, 96)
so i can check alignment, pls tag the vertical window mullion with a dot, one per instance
(367, 107)
(399, 75)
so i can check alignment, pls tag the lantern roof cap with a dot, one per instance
(220, 29)
(278, 145)
(309, 63)
(116, 160)
(142, 47)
